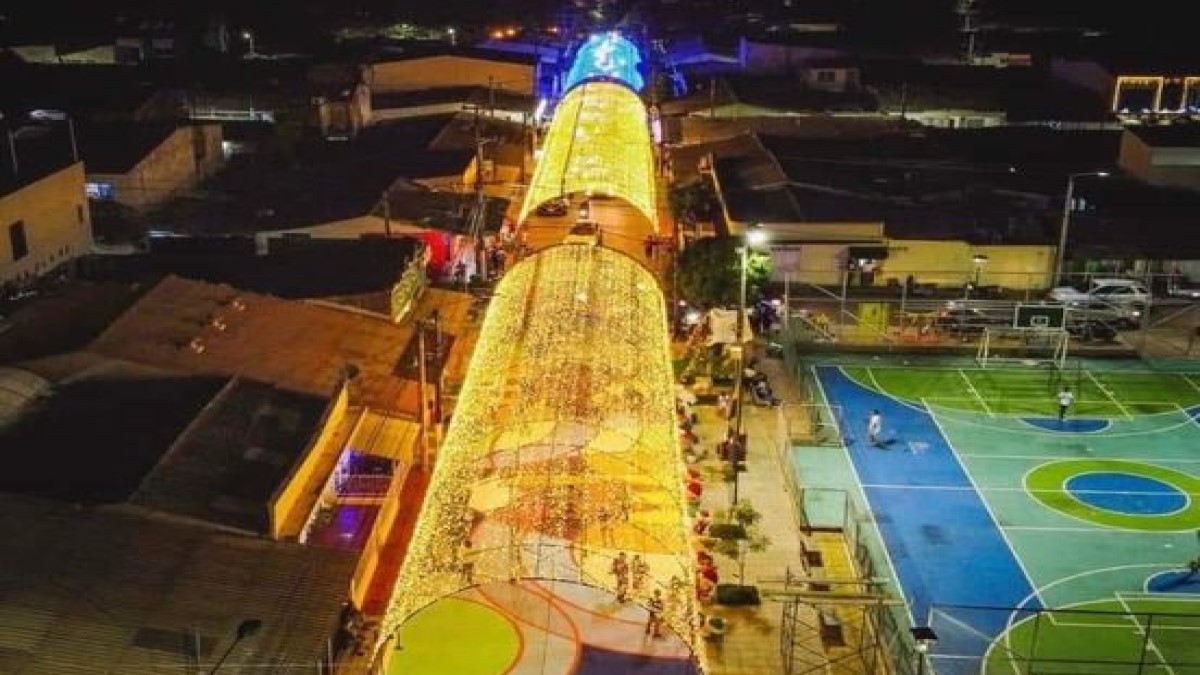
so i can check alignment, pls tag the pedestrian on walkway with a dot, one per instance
(620, 570)
(466, 560)
(875, 429)
(1065, 400)
(638, 569)
(654, 611)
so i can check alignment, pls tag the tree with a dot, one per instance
(693, 200)
(710, 272)
(736, 534)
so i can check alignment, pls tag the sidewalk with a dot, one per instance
(752, 644)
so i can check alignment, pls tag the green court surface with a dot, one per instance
(490, 641)
(1095, 513)
(1109, 637)
(1032, 391)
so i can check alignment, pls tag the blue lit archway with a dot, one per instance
(606, 55)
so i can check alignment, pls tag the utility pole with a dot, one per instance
(423, 393)
(387, 213)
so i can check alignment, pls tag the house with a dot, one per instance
(376, 274)
(446, 66)
(491, 102)
(142, 165)
(1163, 155)
(43, 210)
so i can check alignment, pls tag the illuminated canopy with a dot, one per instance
(562, 449)
(599, 141)
(606, 55)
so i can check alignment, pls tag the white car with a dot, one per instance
(1185, 289)
(1113, 292)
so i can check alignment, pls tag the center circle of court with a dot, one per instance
(1126, 493)
(1118, 493)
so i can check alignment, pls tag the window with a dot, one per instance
(17, 240)
(100, 191)
(826, 76)
(79, 213)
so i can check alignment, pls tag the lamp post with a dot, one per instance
(755, 236)
(1065, 226)
(249, 38)
(925, 639)
(247, 628)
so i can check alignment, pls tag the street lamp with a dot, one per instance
(1065, 226)
(247, 628)
(925, 639)
(755, 236)
(249, 38)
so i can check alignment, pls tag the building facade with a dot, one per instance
(46, 225)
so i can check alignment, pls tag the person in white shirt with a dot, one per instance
(875, 428)
(1065, 400)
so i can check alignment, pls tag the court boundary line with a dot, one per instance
(862, 493)
(1011, 623)
(879, 388)
(1165, 596)
(971, 388)
(956, 488)
(1064, 457)
(1141, 630)
(1104, 390)
(1187, 377)
(1098, 526)
(986, 506)
(910, 366)
(958, 415)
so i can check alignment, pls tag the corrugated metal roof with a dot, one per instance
(109, 591)
(233, 458)
(293, 345)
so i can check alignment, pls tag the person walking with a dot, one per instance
(639, 570)
(654, 611)
(875, 429)
(1065, 400)
(620, 570)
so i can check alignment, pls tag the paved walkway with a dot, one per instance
(752, 645)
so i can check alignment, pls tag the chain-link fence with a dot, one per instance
(1154, 315)
(1111, 637)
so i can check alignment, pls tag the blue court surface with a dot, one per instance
(995, 520)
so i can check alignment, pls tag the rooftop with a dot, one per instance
(39, 151)
(349, 266)
(98, 432)
(234, 457)
(117, 147)
(501, 99)
(98, 590)
(412, 51)
(298, 346)
(329, 181)
(1169, 136)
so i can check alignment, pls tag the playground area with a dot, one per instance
(1028, 544)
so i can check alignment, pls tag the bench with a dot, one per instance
(831, 629)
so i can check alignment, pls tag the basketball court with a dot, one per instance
(1028, 544)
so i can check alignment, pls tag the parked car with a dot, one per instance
(967, 320)
(553, 208)
(1184, 289)
(1110, 291)
(1092, 330)
(1127, 316)
(583, 232)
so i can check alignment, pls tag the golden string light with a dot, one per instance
(598, 141)
(563, 449)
